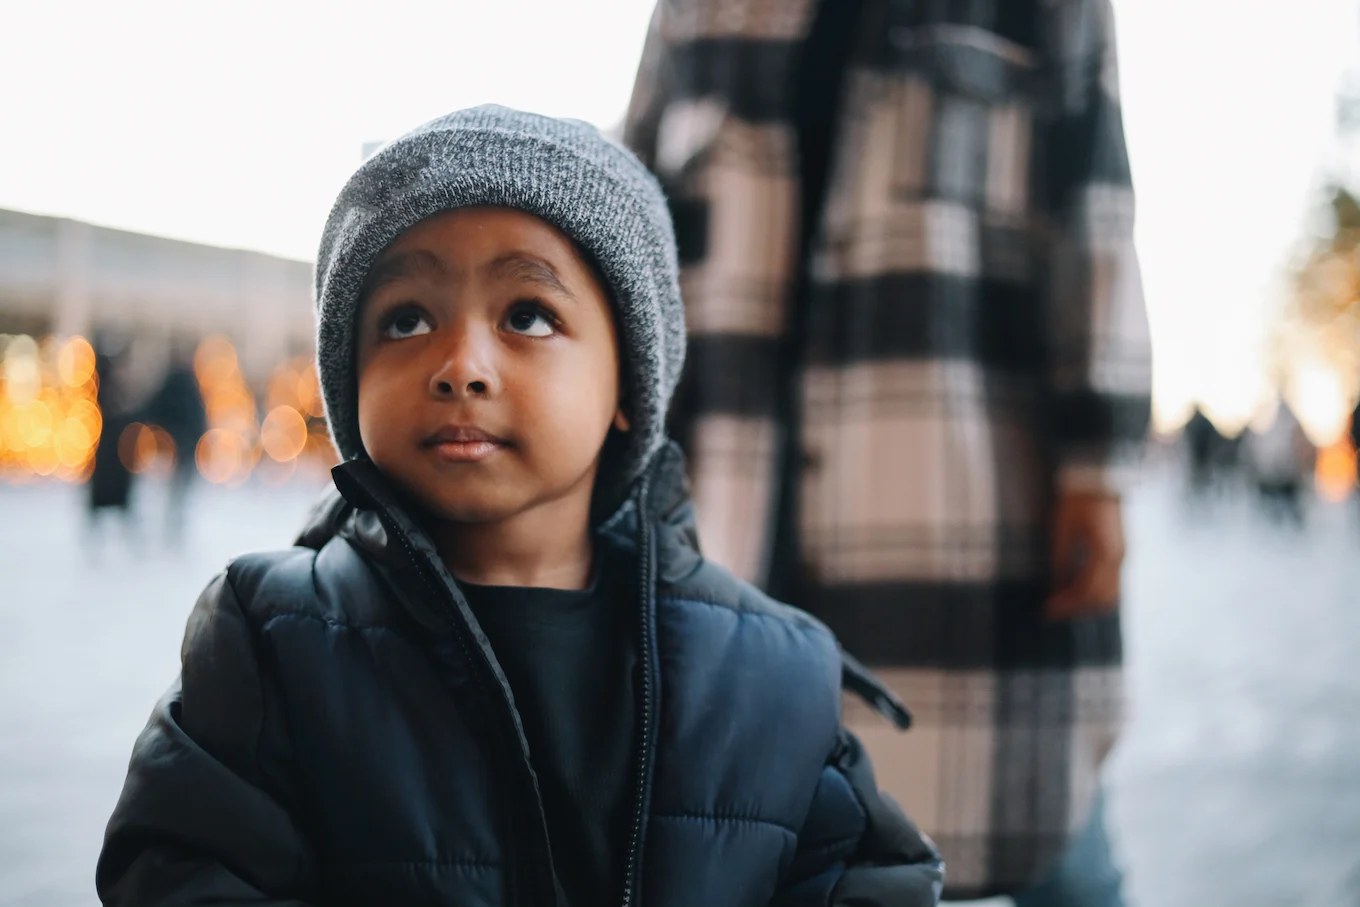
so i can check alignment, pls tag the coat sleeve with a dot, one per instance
(204, 817)
(857, 848)
(731, 183)
(1099, 372)
(650, 93)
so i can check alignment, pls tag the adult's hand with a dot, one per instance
(1088, 554)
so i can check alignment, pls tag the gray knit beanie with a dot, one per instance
(562, 171)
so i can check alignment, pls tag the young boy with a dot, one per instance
(496, 670)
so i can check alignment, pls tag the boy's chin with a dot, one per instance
(483, 500)
(464, 503)
(470, 509)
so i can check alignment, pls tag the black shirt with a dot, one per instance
(569, 657)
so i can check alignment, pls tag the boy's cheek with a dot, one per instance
(381, 415)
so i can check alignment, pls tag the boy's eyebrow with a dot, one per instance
(527, 267)
(407, 264)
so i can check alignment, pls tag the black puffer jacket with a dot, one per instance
(342, 734)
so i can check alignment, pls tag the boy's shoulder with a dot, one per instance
(709, 584)
(805, 642)
(331, 584)
(720, 616)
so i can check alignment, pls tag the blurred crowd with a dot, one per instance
(73, 411)
(1272, 460)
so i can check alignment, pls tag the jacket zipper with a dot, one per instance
(535, 886)
(645, 700)
(516, 883)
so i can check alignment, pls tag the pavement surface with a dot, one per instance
(1237, 782)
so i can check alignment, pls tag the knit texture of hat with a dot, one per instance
(562, 171)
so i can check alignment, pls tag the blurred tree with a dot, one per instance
(1321, 317)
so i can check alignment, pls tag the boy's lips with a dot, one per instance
(464, 443)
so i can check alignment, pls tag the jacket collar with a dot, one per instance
(362, 497)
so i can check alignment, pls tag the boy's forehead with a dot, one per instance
(501, 242)
(397, 264)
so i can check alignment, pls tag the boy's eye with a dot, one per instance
(531, 320)
(406, 324)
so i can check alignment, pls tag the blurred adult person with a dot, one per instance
(110, 485)
(1282, 460)
(177, 406)
(919, 369)
(1354, 428)
(1201, 441)
(1354, 432)
(1228, 455)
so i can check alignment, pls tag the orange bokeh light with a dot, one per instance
(43, 460)
(228, 452)
(35, 423)
(49, 420)
(1335, 474)
(215, 360)
(141, 446)
(220, 455)
(309, 392)
(88, 414)
(72, 442)
(75, 362)
(284, 433)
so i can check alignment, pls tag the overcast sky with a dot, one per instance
(235, 124)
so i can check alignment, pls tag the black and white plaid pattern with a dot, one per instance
(974, 336)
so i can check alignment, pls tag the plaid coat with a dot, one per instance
(884, 399)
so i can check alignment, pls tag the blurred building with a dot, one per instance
(65, 277)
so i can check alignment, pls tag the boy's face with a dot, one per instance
(488, 365)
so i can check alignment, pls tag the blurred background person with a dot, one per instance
(1213, 459)
(919, 369)
(110, 483)
(1354, 427)
(1282, 460)
(1227, 460)
(1353, 431)
(177, 407)
(1201, 441)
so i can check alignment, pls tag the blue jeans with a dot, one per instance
(1086, 876)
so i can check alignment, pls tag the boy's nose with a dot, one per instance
(466, 369)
